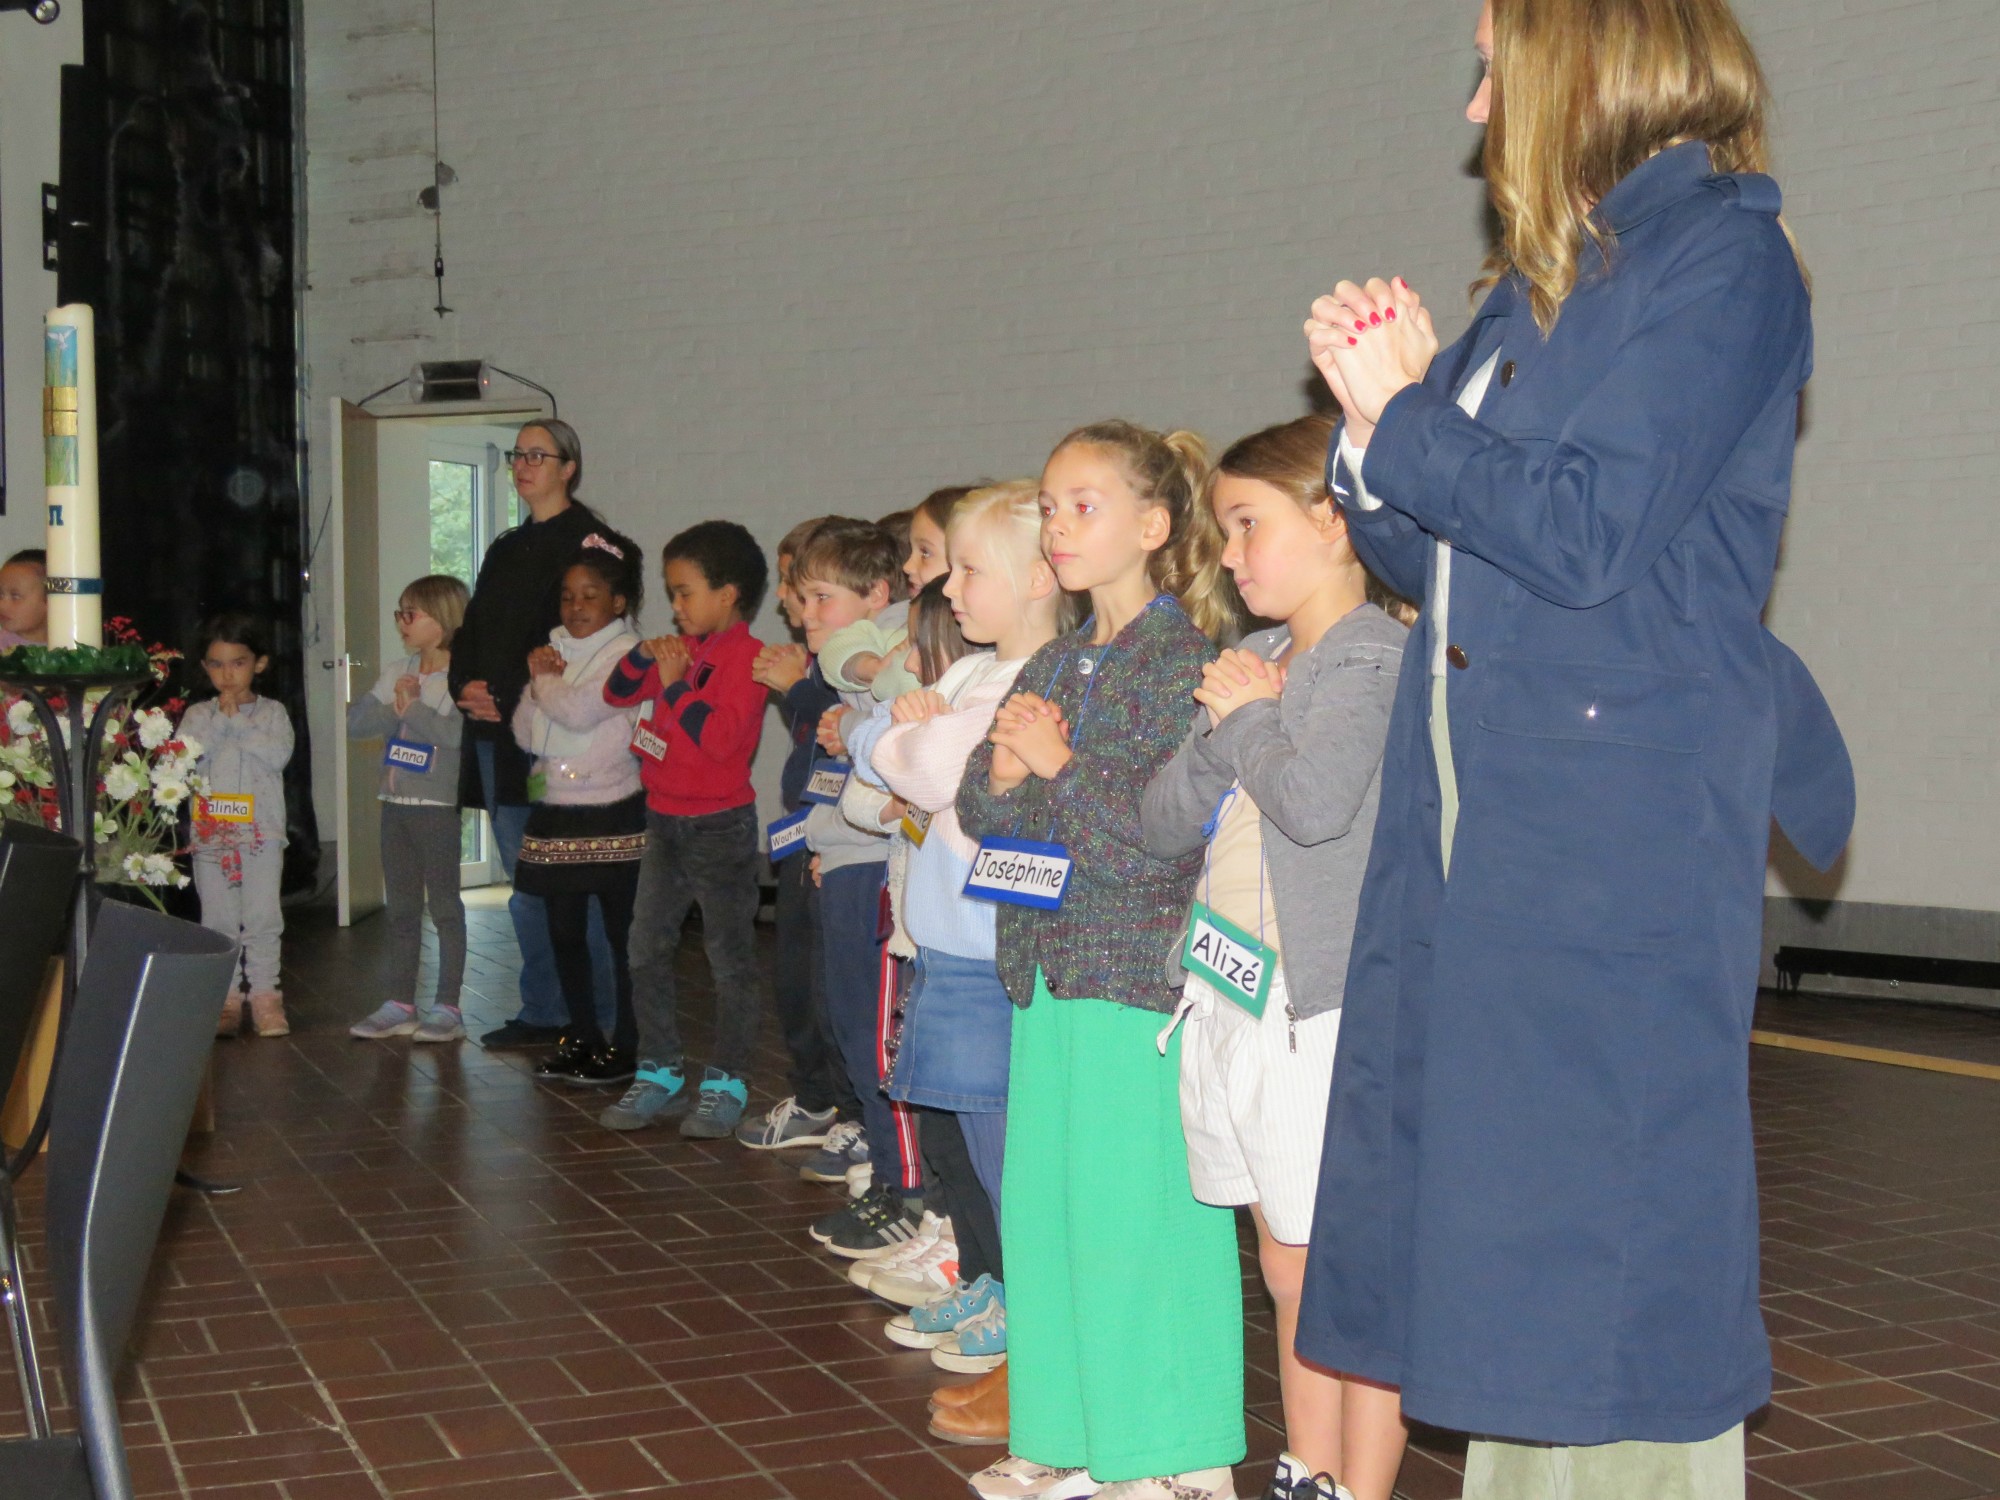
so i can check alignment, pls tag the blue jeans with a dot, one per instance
(852, 943)
(541, 994)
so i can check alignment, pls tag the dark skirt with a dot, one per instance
(569, 849)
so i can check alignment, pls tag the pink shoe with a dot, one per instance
(267, 1014)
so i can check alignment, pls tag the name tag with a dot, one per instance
(408, 755)
(787, 836)
(1236, 964)
(1019, 872)
(230, 807)
(827, 781)
(916, 826)
(647, 743)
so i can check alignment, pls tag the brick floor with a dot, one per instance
(443, 1280)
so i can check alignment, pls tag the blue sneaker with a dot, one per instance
(846, 1146)
(717, 1108)
(928, 1326)
(657, 1094)
(786, 1125)
(979, 1343)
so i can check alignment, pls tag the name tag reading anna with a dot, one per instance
(827, 781)
(408, 755)
(230, 807)
(1233, 962)
(1019, 872)
(787, 836)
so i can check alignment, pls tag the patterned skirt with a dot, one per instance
(568, 849)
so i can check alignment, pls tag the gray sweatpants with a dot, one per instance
(419, 868)
(239, 899)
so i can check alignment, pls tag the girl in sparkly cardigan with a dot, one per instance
(1096, 1165)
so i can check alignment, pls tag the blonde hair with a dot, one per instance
(443, 598)
(1291, 459)
(1169, 469)
(1583, 91)
(1010, 512)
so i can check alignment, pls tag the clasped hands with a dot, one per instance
(670, 653)
(1235, 678)
(1030, 737)
(1369, 342)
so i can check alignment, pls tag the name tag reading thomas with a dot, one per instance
(1019, 872)
(787, 836)
(230, 807)
(1235, 964)
(827, 781)
(408, 755)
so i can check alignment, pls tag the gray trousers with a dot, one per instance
(419, 868)
(1711, 1470)
(239, 899)
(710, 860)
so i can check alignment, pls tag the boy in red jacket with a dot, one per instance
(695, 738)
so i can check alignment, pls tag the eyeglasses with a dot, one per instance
(534, 458)
(408, 616)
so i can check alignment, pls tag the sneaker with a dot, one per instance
(879, 1219)
(935, 1321)
(979, 1343)
(845, 1145)
(1197, 1484)
(1294, 1481)
(390, 1018)
(604, 1067)
(786, 1125)
(929, 1273)
(1019, 1479)
(519, 1036)
(443, 1024)
(656, 1094)
(561, 1065)
(894, 1257)
(718, 1107)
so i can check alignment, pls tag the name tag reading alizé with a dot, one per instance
(1019, 872)
(230, 807)
(1235, 964)
(827, 781)
(787, 836)
(408, 755)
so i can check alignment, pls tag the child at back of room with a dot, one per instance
(868, 654)
(1279, 781)
(953, 1054)
(239, 826)
(701, 714)
(24, 599)
(411, 710)
(1124, 1300)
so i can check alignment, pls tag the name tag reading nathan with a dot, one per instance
(647, 743)
(788, 835)
(230, 807)
(828, 780)
(1019, 872)
(1234, 963)
(408, 755)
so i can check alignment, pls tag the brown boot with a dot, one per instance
(231, 1021)
(949, 1396)
(267, 1014)
(983, 1419)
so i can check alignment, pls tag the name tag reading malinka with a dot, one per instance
(1235, 964)
(827, 782)
(408, 755)
(787, 835)
(1019, 872)
(230, 807)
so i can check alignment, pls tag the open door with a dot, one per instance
(357, 657)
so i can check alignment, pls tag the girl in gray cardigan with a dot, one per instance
(1278, 785)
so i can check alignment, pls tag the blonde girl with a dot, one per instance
(1101, 1230)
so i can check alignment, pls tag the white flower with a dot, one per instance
(190, 749)
(125, 779)
(21, 717)
(6, 780)
(156, 869)
(181, 882)
(134, 867)
(155, 728)
(169, 792)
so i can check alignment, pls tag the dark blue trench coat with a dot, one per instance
(1537, 1209)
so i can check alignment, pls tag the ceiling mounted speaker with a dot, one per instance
(451, 380)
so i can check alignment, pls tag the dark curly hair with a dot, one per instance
(615, 559)
(727, 554)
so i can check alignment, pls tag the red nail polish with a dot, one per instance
(1375, 318)
(1360, 326)
(1352, 340)
(1390, 315)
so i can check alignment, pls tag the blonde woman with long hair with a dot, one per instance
(1537, 1211)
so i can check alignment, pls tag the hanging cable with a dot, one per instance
(437, 174)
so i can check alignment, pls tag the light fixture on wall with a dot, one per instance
(44, 11)
(437, 380)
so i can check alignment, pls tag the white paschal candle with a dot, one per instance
(69, 453)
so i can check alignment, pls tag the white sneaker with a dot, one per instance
(1196, 1484)
(894, 1257)
(920, 1277)
(1019, 1479)
(1295, 1480)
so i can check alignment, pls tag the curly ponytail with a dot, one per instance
(1170, 470)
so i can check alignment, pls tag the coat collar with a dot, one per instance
(1654, 186)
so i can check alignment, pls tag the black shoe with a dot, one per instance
(572, 1054)
(519, 1036)
(603, 1067)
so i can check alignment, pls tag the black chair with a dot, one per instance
(38, 874)
(124, 1091)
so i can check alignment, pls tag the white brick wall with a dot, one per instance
(785, 256)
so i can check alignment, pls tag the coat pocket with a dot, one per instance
(1580, 802)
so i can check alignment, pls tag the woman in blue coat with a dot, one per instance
(1537, 1211)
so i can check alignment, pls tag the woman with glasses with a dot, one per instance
(515, 604)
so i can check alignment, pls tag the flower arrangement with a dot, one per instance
(145, 771)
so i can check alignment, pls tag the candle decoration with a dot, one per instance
(69, 451)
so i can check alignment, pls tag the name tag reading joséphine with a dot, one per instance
(1235, 964)
(788, 835)
(827, 781)
(230, 807)
(1019, 872)
(408, 755)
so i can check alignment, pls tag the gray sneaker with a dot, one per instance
(786, 1125)
(387, 1019)
(443, 1024)
(657, 1094)
(846, 1145)
(718, 1108)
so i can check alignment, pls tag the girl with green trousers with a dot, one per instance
(1109, 1395)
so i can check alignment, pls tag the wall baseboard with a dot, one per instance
(1876, 927)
